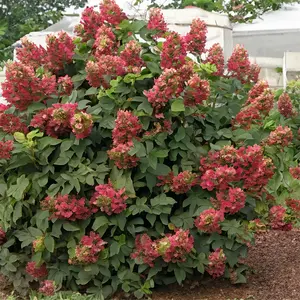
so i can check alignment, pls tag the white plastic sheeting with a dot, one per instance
(271, 35)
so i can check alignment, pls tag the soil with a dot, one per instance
(276, 262)
(275, 259)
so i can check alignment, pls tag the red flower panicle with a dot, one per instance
(109, 200)
(209, 220)
(106, 42)
(90, 21)
(121, 158)
(2, 236)
(246, 165)
(55, 121)
(36, 271)
(173, 52)
(106, 66)
(254, 73)
(88, 250)
(183, 182)
(10, 123)
(5, 149)
(281, 136)
(60, 51)
(232, 201)
(145, 250)
(111, 12)
(131, 57)
(38, 244)
(216, 265)
(127, 127)
(157, 22)
(277, 217)
(30, 54)
(67, 207)
(22, 87)
(295, 172)
(285, 105)
(215, 56)
(66, 85)
(258, 89)
(47, 288)
(198, 90)
(238, 64)
(81, 124)
(196, 38)
(175, 248)
(294, 205)
(166, 87)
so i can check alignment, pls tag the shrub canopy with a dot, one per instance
(131, 157)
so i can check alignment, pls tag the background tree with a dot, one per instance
(19, 17)
(241, 11)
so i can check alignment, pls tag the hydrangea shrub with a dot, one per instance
(128, 164)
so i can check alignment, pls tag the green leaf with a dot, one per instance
(20, 137)
(180, 134)
(153, 67)
(49, 243)
(160, 153)
(99, 222)
(114, 249)
(180, 275)
(161, 170)
(177, 106)
(162, 199)
(17, 211)
(70, 227)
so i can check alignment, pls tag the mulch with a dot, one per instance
(275, 259)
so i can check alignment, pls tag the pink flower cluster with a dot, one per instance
(60, 51)
(277, 218)
(109, 200)
(179, 184)
(259, 104)
(215, 56)
(119, 154)
(285, 106)
(111, 12)
(172, 248)
(239, 65)
(128, 127)
(38, 245)
(36, 271)
(30, 54)
(167, 86)
(281, 136)
(216, 265)
(198, 90)
(5, 149)
(88, 250)
(2, 236)
(231, 200)
(47, 288)
(209, 220)
(62, 119)
(90, 21)
(246, 165)
(131, 57)
(295, 172)
(106, 66)
(196, 38)
(67, 207)
(157, 22)
(106, 42)
(23, 87)
(66, 85)
(10, 123)
(173, 51)
(145, 250)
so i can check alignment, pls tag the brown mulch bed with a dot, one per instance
(276, 261)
